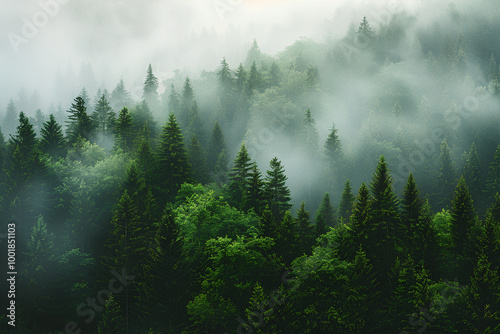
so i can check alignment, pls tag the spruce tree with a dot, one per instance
(305, 229)
(10, 118)
(240, 178)
(253, 80)
(346, 203)
(216, 145)
(473, 175)
(276, 193)
(150, 88)
(358, 229)
(226, 90)
(274, 75)
(241, 78)
(173, 159)
(124, 134)
(493, 179)
(173, 100)
(254, 190)
(446, 174)
(103, 116)
(79, 125)
(463, 222)
(383, 226)
(309, 135)
(52, 141)
(120, 97)
(198, 161)
(325, 216)
(187, 101)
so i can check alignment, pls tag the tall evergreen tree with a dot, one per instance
(241, 78)
(276, 193)
(124, 134)
(493, 179)
(305, 229)
(240, 178)
(216, 145)
(346, 203)
(446, 174)
(120, 97)
(198, 161)
(463, 223)
(79, 125)
(309, 135)
(103, 116)
(274, 75)
(173, 159)
(52, 141)
(473, 175)
(173, 100)
(325, 216)
(187, 101)
(10, 118)
(226, 90)
(358, 231)
(253, 80)
(150, 88)
(383, 226)
(254, 189)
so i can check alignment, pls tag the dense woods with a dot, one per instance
(336, 187)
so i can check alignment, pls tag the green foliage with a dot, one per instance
(346, 203)
(52, 141)
(276, 193)
(79, 125)
(325, 217)
(123, 131)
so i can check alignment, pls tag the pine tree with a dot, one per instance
(274, 75)
(195, 124)
(187, 101)
(473, 175)
(325, 216)
(254, 55)
(493, 180)
(79, 124)
(226, 90)
(173, 159)
(173, 100)
(305, 229)
(463, 221)
(276, 193)
(52, 141)
(241, 78)
(346, 203)
(482, 299)
(254, 189)
(144, 121)
(166, 285)
(490, 239)
(198, 162)
(124, 134)
(112, 320)
(120, 97)
(358, 229)
(85, 96)
(10, 119)
(253, 81)
(383, 227)
(240, 179)
(364, 29)
(216, 145)
(103, 116)
(309, 136)
(150, 89)
(446, 174)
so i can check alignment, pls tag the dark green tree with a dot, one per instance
(241, 78)
(254, 190)
(358, 228)
(473, 175)
(325, 216)
(187, 100)
(276, 193)
(173, 159)
(103, 116)
(216, 145)
(446, 174)
(253, 80)
(305, 229)
(10, 118)
(493, 179)
(198, 161)
(240, 179)
(52, 141)
(124, 133)
(346, 203)
(150, 88)
(79, 125)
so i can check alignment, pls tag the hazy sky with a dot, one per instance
(120, 38)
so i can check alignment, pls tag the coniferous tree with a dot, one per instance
(187, 101)
(124, 134)
(103, 116)
(309, 136)
(446, 174)
(198, 161)
(473, 175)
(364, 29)
(482, 299)
(112, 320)
(150, 89)
(253, 80)
(79, 124)
(226, 90)
(52, 141)
(276, 193)
(493, 180)
(463, 222)
(490, 238)
(325, 216)
(165, 287)
(10, 119)
(173, 159)
(240, 179)
(254, 190)
(383, 226)
(216, 145)
(305, 229)
(358, 232)
(346, 203)
(241, 78)
(173, 100)
(254, 54)
(195, 125)
(274, 75)
(120, 97)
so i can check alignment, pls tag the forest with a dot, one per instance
(347, 185)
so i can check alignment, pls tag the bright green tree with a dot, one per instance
(346, 203)
(276, 192)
